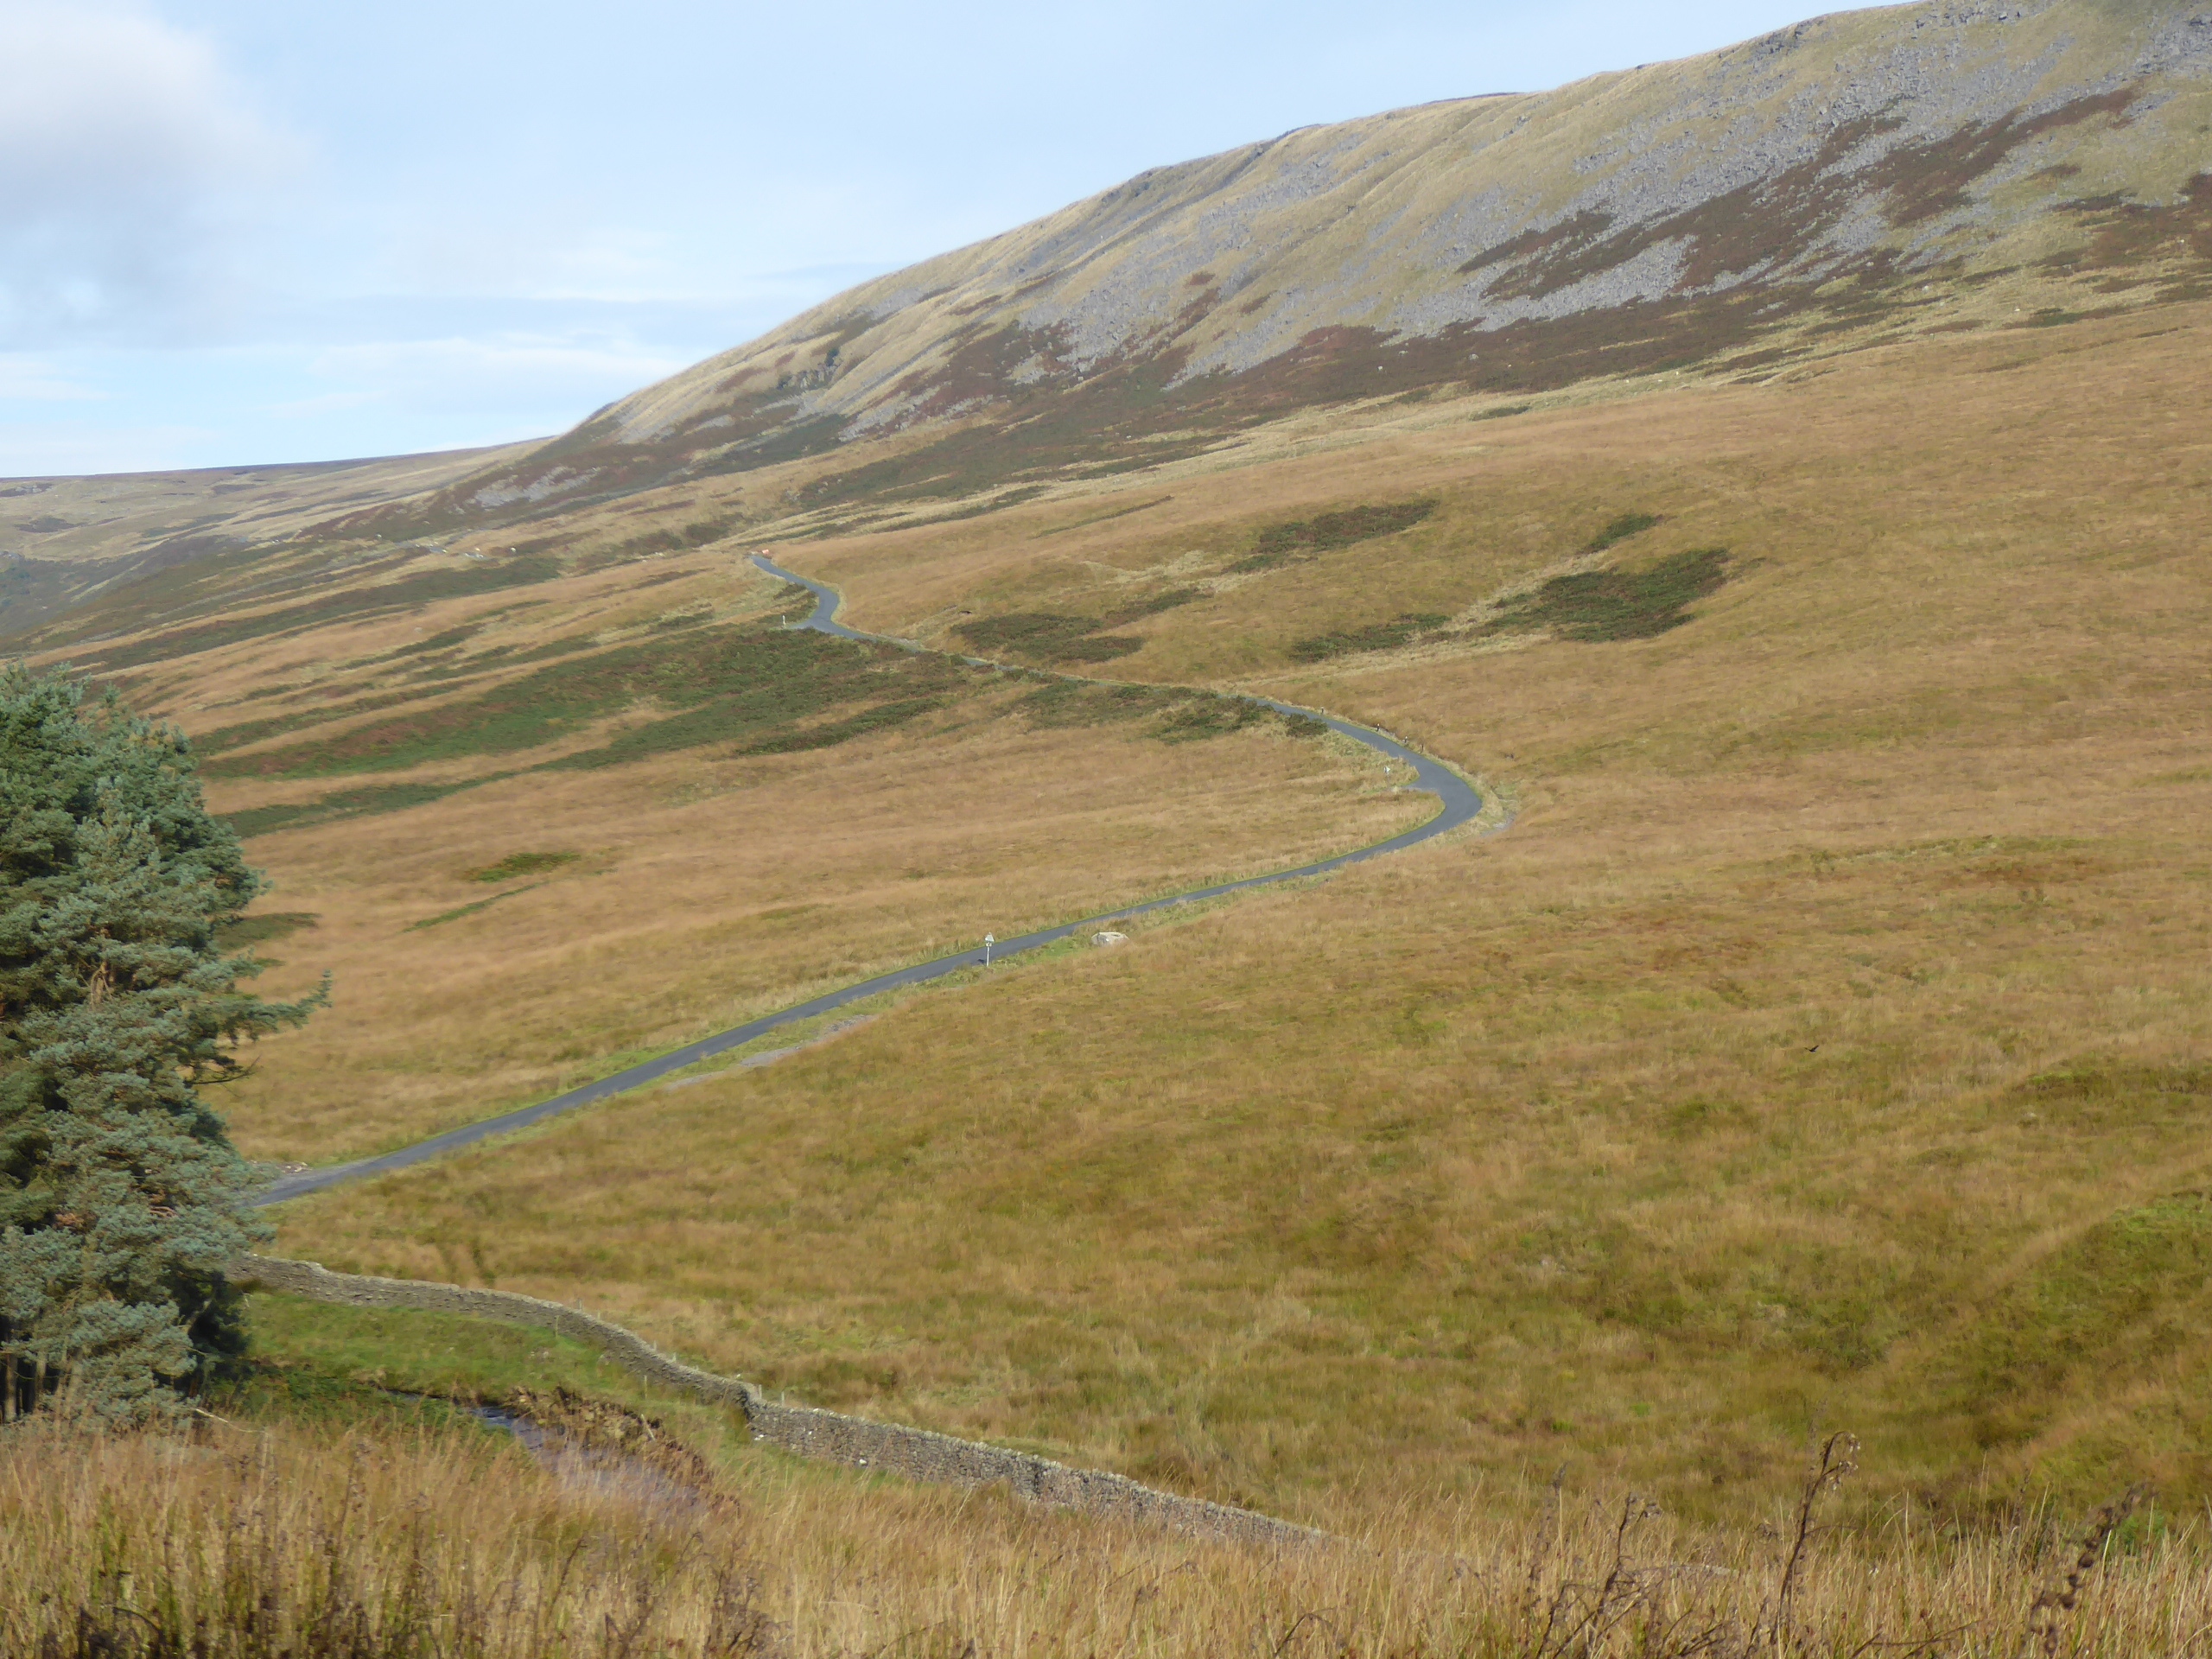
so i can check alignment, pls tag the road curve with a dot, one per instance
(1459, 801)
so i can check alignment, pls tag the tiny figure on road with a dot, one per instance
(987, 943)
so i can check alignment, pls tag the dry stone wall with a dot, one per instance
(826, 1436)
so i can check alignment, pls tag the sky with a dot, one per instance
(237, 231)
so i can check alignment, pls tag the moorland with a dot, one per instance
(1821, 1050)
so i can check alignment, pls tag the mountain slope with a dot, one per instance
(68, 542)
(1942, 166)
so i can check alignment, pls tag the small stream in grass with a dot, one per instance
(581, 1465)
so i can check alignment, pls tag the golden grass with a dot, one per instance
(710, 889)
(266, 1533)
(1828, 1044)
(281, 1540)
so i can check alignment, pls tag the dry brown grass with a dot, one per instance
(263, 1535)
(710, 889)
(1827, 1042)
(707, 888)
(278, 1540)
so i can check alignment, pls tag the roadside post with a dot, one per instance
(987, 943)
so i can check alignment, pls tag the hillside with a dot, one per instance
(1811, 556)
(1913, 168)
(1904, 173)
(1826, 1042)
(66, 542)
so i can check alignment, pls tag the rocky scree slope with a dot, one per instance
(1868, 168)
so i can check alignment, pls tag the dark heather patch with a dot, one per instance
(826, 737)
(1201, 717)
(682, 538)
(1535, 247)
(1153, 606)
(1628, 524)
(1378, 636)
(997, 504)
(1049, 637)
(1100, 648)
(1598, 605)
(1041, 634)
(1103, 518)
(444, 641)
(728, 683)
(1069, 702)
(358, 604)
(346, 804)
(1302, 539)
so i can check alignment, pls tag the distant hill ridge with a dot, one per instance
(1868, 168)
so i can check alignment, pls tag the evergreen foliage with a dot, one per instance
(121, 1198)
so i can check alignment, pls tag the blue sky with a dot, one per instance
(239, 231)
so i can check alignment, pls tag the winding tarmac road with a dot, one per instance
(1460, 805)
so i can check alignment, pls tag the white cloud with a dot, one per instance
(130, 165)
(507, 372)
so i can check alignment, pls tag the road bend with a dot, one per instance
(1458, 804)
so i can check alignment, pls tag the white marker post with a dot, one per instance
(987, 943)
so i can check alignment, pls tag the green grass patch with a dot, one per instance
(1302, 539)
(347, 1366)
(321, 1350)
(1379, 636)
(1606, 605)
(2113, 1302)
(2105, 1094)
(262, 1390)
(515, 865)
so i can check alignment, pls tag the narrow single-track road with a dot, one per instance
(1459, 803)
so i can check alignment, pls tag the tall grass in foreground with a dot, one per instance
(365, 1544)
(280, 1543)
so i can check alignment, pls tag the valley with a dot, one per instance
(1734, 1078)
(1796, 535)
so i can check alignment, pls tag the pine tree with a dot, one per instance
(121, 1198)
